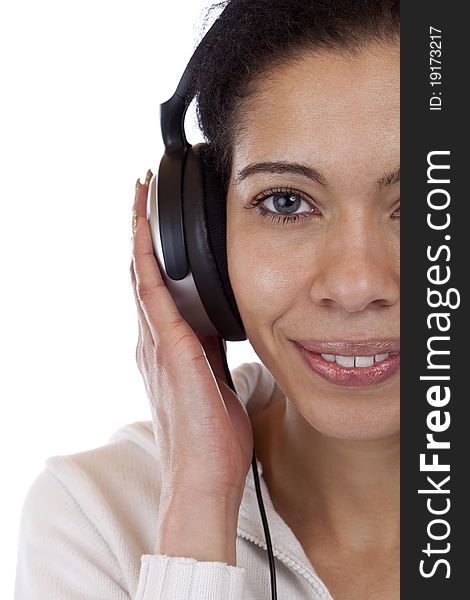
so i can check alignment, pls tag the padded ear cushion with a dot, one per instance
(204, 214)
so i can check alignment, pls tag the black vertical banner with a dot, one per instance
(435, 268)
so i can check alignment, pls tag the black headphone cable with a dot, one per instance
(259, 496)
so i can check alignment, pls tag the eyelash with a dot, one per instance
(278, 217)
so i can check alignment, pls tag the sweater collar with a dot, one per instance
(258, 390)
(286, 547)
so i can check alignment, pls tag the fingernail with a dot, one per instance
(138, 185)
(148, 177)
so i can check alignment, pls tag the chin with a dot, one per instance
(353, 420)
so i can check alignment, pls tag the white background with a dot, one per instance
(81, 87)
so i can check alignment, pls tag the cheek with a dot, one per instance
(267, 279)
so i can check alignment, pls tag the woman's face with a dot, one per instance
(330, 276)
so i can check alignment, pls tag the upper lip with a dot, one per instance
(352, 348)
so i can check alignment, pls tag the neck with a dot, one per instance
(342, 492)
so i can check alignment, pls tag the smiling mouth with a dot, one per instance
(360, 369)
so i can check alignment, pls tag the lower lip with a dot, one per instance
(350, 376)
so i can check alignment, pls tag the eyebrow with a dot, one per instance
(281, 167)
(389, 178)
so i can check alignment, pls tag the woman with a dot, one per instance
(299, 102)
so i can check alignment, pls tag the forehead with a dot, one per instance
(328, 109)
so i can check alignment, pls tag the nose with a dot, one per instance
(357, 268)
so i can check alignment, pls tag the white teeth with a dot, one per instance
(364, 361)
(356, 361)
(345, 361)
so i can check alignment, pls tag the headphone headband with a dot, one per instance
(173, 111)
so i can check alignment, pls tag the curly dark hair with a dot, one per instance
(256, 36)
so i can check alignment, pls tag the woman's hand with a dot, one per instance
(201, 428)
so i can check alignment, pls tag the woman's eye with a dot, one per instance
(396, 213)
(286, 204)
(283, 206)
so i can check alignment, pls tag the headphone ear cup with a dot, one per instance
(204, 214)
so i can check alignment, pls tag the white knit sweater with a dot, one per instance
(88, 528)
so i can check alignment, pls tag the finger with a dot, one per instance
(144, 329)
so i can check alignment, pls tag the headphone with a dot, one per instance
(186, 210)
